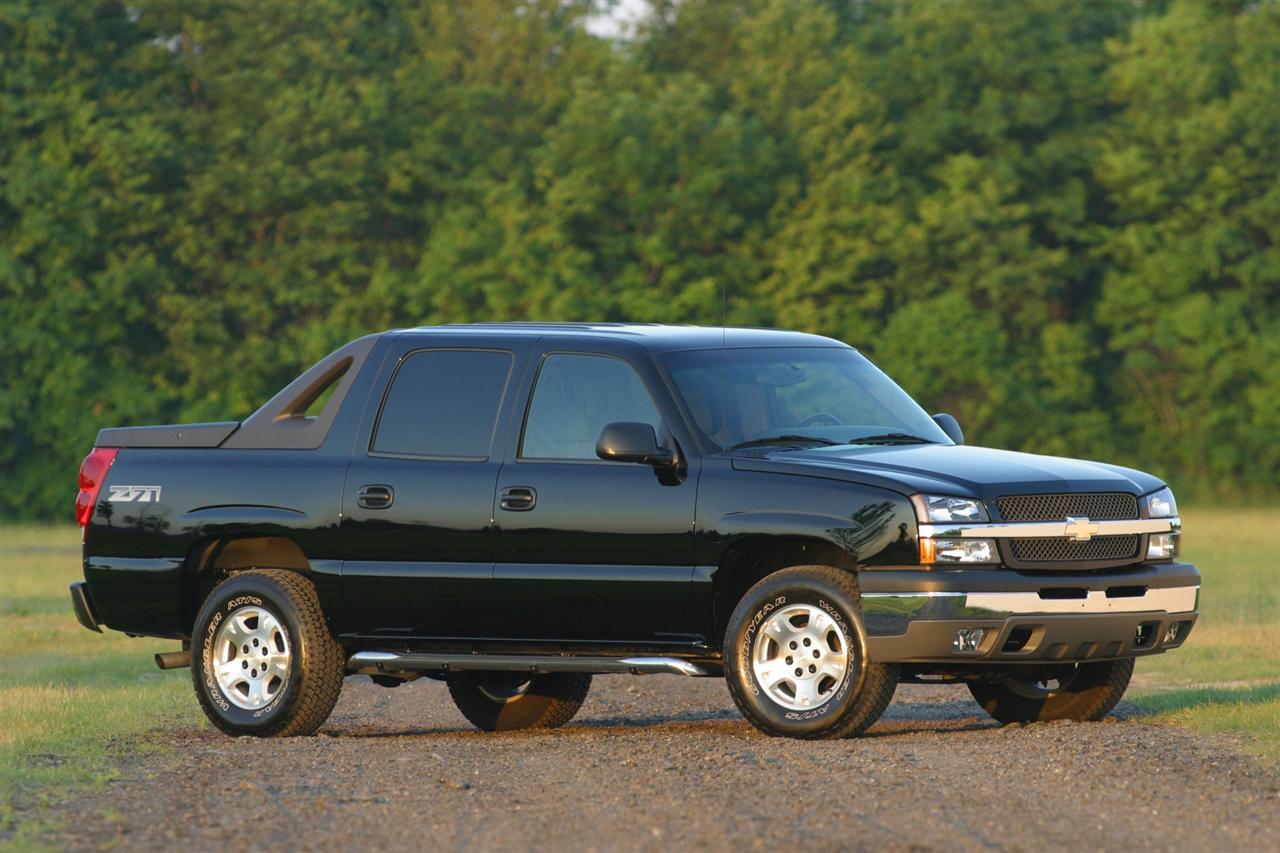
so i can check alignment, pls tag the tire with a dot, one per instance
(268, 621)
(840, 692)
(506, 701)
(1081, 692)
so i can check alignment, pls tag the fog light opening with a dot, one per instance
(1017, 640)
(968, 640)
(1145, 636)
(1172, 633)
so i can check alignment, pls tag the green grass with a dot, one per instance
(1251, 713)
(1227, 677)
(73, 703)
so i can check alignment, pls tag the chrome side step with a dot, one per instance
(374, 663)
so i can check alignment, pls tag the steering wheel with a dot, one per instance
(820, 419)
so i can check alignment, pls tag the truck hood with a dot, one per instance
(960, 470)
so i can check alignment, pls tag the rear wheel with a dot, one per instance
(264, 662)
(1081, 692)
(505, 701)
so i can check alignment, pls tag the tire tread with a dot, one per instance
(1090, 703)
(561, 695)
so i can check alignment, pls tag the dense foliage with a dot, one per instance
(1059, 221)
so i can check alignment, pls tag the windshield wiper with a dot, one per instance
(890, 438)
(783, 439)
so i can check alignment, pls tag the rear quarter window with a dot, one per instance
(443, 404)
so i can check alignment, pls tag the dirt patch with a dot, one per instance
(666, 762)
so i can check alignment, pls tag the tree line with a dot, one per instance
(1059, 221)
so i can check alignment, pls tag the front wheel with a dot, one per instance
(1081, 692)
(265, 663)
(796, 656)
(505, 701)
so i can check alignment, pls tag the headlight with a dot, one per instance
(935, 508)
(1160, 504)
(958, 551)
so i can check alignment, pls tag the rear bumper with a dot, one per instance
(915, 616)
(82, 604)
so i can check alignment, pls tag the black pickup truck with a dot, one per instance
(513, 508)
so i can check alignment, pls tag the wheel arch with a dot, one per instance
(750, 559)
(214, 557)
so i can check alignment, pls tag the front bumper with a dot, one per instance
(915, 616)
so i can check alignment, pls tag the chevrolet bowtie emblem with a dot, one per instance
(1080, 529)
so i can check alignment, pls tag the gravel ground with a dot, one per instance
(663, 762)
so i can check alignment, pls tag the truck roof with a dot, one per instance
(651, 336)
(282, 423)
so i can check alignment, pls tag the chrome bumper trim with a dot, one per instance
(1043, 529)
(956, 605)
(1172, 600)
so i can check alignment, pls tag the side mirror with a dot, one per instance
(950, 426)
(627, 441)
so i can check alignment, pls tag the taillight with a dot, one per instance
(93, 470)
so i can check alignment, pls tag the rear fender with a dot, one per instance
(223, 548)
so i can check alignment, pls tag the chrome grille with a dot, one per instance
(1095, 505)
(1060, 550)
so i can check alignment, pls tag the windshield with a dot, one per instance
(831, 395)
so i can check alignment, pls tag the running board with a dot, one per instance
(372, 663)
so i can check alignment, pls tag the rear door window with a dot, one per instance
(443, 404)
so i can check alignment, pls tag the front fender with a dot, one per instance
(863, 536)
(870, 525)
(752, 523)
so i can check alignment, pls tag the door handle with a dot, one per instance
(375, 496)
(517, 498)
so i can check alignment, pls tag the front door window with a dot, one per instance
(575, 398)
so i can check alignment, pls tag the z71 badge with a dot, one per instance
(134, 494)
